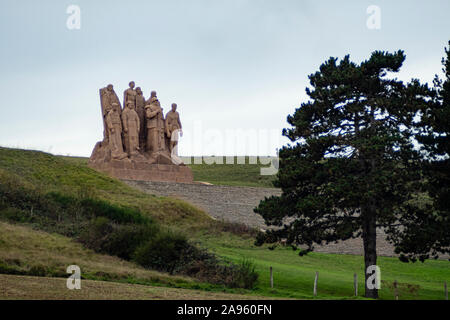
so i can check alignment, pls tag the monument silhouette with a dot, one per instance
(139, 143)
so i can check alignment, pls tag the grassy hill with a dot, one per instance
(26, 251)
(48, 173)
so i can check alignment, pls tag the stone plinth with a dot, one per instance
(143, 171)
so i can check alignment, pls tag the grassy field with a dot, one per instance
(239, 173)
(23, 249)
(294, 275)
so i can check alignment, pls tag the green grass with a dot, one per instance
(235, 174)
(71, 176)
(293, 275)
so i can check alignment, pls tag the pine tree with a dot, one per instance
(433, 237)
(351, 166)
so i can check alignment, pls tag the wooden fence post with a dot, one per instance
(315, 283)
(355, 284)
(446, 290)
(271, 277)
(395, 290)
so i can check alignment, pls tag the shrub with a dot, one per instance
(65, 202)
(236, 228)
(101, 208)
(14, 214)
(96, 233)
(38, 271)
(104, 236)
(14, 193)
(6, 268)
(125, 239)
(199, 263)
(163, 252)
(246, 276)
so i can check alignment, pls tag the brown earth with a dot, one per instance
(42, 288)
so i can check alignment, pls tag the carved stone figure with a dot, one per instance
(155, 126)
(152, 95)
(108, 99)
(173, 128)
(114, 127)
(130, 120)
(130, 95)
(140, 109)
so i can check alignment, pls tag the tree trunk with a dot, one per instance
(369, 236)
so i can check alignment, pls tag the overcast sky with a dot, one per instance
(234, 67)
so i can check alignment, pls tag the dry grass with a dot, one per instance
(27, 251)
(41, 288)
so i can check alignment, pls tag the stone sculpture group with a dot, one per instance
(139, 143)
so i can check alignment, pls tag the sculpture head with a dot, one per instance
(130, 104)
(174, 107)
(131, 84)
(110, 87)
(153, 94)
(114, 107)
(139, 91)
(153, 100)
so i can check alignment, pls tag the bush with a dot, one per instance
(246, 276)
(201, 264)
(236, 228)
(14, 214)
(125, 239)
(96, 234)
(38, 271)
(104, 236)
(163, 252)
(13, 192)
(65, 202)
(100, 208)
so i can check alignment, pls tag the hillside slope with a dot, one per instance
(294, 275)
(24, 251)
(56, 195)
(49, 173)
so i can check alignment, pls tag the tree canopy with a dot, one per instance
(353, 164)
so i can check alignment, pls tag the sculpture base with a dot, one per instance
(141, 171)
(157, 168)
